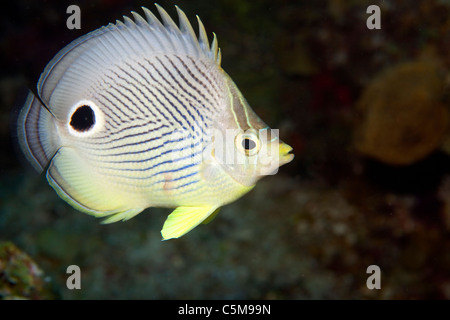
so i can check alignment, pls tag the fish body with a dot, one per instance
(140, 114)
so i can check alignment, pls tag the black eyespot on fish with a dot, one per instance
(248, 144)
(82, 119)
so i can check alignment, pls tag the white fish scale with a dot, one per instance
(167, 91)
(206, 86)
(153, 95)
(129, 81)
(149, 94)
(158, 185)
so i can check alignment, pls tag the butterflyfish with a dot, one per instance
(140, 114)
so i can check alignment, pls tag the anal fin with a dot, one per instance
(125, 215)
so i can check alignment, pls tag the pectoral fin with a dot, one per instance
(183, 220)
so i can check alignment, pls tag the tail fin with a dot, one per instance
(36, 133)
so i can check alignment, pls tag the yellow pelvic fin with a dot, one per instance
(184, 219)
(211, 216)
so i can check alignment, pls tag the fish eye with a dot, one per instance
(248, 143)
(84, 118)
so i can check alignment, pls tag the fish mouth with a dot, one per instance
(285, 153)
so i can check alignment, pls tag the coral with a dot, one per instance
(20, 276)
(402, 119)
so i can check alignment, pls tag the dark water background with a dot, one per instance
(354, 196)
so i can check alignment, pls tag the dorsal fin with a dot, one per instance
(88, 55)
